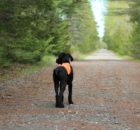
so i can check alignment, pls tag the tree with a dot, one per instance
(135, 18)
(83, 29)
(118, 27)
(31, 29)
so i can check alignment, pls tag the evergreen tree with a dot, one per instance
(83, 29)
(31, 29)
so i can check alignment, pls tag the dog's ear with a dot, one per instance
(58, 61)
(60, 58)
(71, 58)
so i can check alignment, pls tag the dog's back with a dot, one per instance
(59, 74)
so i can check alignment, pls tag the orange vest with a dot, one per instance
(67, 67)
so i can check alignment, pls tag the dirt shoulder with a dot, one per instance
(106, 96)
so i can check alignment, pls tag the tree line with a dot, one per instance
(123, 27)
(32, 29)
(135, 18)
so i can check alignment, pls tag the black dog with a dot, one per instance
(62, 76)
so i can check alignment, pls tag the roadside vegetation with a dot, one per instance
(118, 27)
(123, 27)
(135, 18)
(33, 31)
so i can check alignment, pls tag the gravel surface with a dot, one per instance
(106, 96)
(103, 54)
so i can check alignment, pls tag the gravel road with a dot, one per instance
(106, 96)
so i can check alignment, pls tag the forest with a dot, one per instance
(31, 31)
(123, 27)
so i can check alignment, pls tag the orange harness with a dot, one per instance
(67, 67)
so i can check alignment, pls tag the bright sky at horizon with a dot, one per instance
(99, 10)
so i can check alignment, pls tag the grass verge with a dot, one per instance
(19, 70)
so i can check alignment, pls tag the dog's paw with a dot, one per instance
(71, 102)
(59, 106)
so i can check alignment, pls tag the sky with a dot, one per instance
(99, 10)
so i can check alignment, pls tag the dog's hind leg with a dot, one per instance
(70, 93)
(61, 96)
(56, 87)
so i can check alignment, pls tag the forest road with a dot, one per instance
(106, 95)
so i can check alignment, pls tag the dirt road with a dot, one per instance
(106, 97)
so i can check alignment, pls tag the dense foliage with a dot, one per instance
(118, 27)
(123, 27)
(83, 30)
(31, 29)
(135, 18)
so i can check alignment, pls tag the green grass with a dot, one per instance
(18, 70)
(47, 60)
